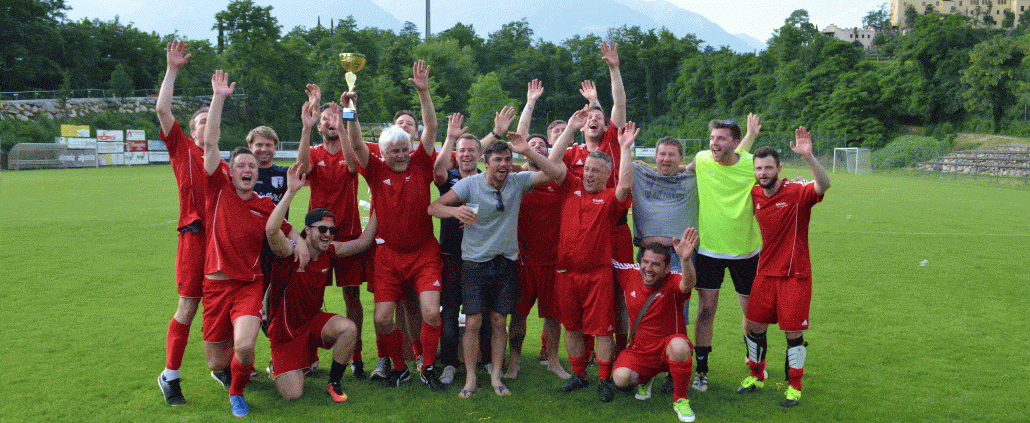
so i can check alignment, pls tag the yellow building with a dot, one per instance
(973, 8)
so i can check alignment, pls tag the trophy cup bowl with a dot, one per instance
(352, 62)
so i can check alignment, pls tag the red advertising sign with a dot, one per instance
(136, 145)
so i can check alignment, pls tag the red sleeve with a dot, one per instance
(610, 145)
(220, 178)
(173, 138)
(567, 158)
(313, 159)
(420, 157)
(808, 195)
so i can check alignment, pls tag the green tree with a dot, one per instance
(243, 20)
(486, 97)
(910, 16)
(30, 32)
(990, 80)
(1009, 20)
(879, 19)
(121, 83)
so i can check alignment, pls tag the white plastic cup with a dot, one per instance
(475, 209)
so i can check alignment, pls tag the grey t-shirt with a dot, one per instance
(495, 232)
(663, 205)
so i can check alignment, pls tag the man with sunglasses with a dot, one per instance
(488, 204)
(297, 294)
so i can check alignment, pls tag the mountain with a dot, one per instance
(752, 41)
(681, 22)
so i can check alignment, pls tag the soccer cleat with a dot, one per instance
(312, 369)
(606, 390)
(576, 382)
(418, 361)
(224, 377)
(750, 384)
(335, 392)
(357, 367)
(701, 382)
(431, 379)
(239, 405)
(793, 396)
(397, 377)
(270, 370)
(683, 410)
(644, 390)
(448, 375)
(380, 372)
(171, 390)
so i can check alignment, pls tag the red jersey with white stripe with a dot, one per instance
(297, 296)
(401, 200)
(576, 155)
(236, 228)
(188, 165)
(587, 221)
(334, 187)
(783, 220)
(539, 222)
(664, 317)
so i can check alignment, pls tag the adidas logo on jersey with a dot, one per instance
(342, 163)
(579, 163)
(437, 283)
(579, 193)
(387, 182)
(257, 213)
(633, 294)
(321, 163)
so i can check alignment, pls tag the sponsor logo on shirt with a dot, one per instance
(326, 270)
(781, 204)
(407, 179)
(256, 213)
(598, 201)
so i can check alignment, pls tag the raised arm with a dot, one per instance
(576, 122)
(309, 115)
(281, 245)
(549, 171)
(353, 134)
(367, 238)
(753, 129)
(177, 57)
(589, 92)
(533, 93)
(685, 247)
(220, 90)
(502, 120)
(627, 134)
(443, 160)
(802, 145)
(610, 54)
(420, 79)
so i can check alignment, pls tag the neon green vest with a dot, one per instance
(726, 215)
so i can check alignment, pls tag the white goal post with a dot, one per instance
(853, 159)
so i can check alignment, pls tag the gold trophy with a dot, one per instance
(352, 62)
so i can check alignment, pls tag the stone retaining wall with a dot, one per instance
(74, 107)
(1002, 160)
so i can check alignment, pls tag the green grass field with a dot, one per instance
(88, 289)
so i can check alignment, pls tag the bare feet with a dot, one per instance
(514, 365)
(556, 367)
(501, 390)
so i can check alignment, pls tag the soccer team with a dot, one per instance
(554, 232)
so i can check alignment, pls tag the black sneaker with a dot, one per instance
(606, 390)
(397, 377)
(357, 367)
(224, 377)
(430, 378)
(667, 387)
(171, 390)
(576, 382)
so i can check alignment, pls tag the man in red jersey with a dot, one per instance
(409, 259)
(334, 186)
(782, 291)
(232, 271)
(296, 297)
(187, 158)
(584, 281)
(658, 338)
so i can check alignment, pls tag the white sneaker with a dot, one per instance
(381, 368)
(448, 375)
(701, 382)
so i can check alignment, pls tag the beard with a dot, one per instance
(333, 137)
(770, 184)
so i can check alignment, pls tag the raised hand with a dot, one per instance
(517, 143)
(454, 128)
(685, 246)
(309, 113)
(534, 90)
(294, 178)
(314, 93)
(578, 119)
(502, 119)
(420, 75)
(628, 134)
(220, 84)
(350, 96)
(589, 91)
(610, 53)
(753, 126)
(336, 119)
(175, 51)
(802, 144)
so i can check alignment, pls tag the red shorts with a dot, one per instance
(293, 355)
(622, 244)
(783, 300)
(398, 272)
(350, 271)
(587, 300)
(536, 282)
(647, 365)
(226, 300)
(189, 264)
(370, 268)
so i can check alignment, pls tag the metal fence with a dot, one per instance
(105, 93)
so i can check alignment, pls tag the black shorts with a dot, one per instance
(489, 286)
(711, 272)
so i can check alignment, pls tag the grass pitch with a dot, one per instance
(87, 260)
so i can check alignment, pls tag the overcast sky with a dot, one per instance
(757, 18)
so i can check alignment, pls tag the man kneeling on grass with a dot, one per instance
(296, 295)
(657, 338)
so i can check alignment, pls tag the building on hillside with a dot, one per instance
(978, 9)
(850, 35)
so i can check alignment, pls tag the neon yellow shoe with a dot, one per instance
(683, 410)
(793, 397)
(644, 390)
(749, 384)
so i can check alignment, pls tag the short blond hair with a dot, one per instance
(262, 131)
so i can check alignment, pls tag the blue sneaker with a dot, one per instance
(239, 405)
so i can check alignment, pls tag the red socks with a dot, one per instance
(175, 344)
(430, 340)
(240, 376)
(357, 351)
(757, 369)
(620, 343)
(604, 370)
(680, 373)
(794, 375)
(579, 366)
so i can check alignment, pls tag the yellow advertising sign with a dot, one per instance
(75, 131)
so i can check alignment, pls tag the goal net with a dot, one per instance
(853, 160)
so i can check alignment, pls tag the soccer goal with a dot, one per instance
(853, 159)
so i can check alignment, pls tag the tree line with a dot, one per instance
(947, 73)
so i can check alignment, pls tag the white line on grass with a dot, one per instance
(928, 233)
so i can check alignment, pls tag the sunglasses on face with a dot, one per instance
(500, 202)
(322, 229)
